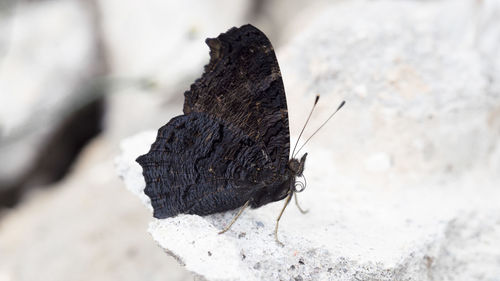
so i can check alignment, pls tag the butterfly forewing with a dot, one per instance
(242, 85)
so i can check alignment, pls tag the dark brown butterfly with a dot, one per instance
(231, 147)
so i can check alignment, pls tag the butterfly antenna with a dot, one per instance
(338, 108)
(307, 121)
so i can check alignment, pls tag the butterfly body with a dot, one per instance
(231, 147)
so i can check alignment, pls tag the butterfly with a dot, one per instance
(231, 147)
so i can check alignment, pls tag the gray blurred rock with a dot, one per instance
(402, 184)
(47, 74)
(83, 228)
(419, 89)
(487, 39)
(158, 41)
(281, 20)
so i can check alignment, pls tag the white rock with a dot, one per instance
(352, 231)
(159, 40)
(417, 82)
(378, 162)
(47, 64)
(48, 48)
(131, 171)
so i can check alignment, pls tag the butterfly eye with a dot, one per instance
(299, 186)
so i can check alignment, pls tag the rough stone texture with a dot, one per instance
(48, 59)
(403, 184)
(432, 231)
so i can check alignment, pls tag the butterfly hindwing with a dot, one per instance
(198, 165)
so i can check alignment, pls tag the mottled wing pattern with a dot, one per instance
(242, 85)
(197, 165)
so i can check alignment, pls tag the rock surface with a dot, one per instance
(420, 90)
(48, 61)
(83, 228)
(438, 230)
(157, 42)
(402, 186)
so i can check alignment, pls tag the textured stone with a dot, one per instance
(351, 231)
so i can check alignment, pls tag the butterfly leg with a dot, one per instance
(298, 206)
(287, 200)
(236, 217)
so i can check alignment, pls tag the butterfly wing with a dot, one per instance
(242, 85)
(232, 144)
(199, 165)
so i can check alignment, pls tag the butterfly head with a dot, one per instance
(296, 168)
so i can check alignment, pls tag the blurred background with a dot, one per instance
(422, 81)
